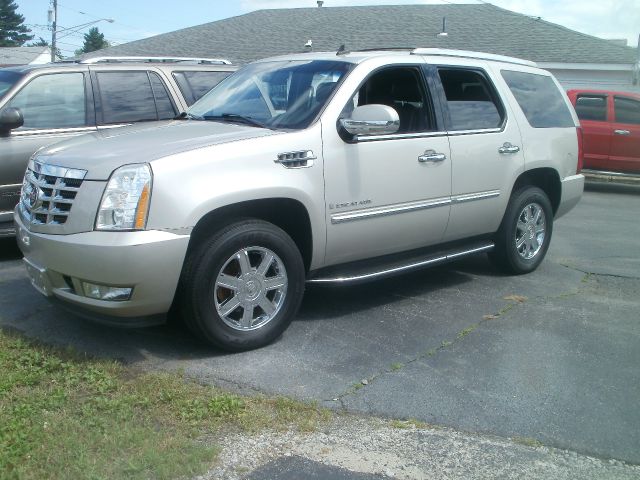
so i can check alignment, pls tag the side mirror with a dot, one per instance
(10, 118)
(371, 119)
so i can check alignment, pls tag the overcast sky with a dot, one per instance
(135, 19)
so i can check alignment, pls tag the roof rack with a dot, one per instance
(443, 52)
(200, 61)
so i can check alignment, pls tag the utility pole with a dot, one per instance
(54, 20)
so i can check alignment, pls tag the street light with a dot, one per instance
(54, 32)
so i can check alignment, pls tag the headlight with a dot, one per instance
(125, 201)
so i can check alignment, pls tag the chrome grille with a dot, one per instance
(48, 192)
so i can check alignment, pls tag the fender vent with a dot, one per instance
(301, 159)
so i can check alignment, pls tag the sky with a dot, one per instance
(136, 19)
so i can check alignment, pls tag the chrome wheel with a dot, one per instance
(250, 288)
(530, 231)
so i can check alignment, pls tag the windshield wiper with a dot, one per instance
(234, 117)
(187, 116)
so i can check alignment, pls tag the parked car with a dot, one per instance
(62, 100)
(316, 168)
(611, 129)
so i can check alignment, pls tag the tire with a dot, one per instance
(523, 238)
(242, 287)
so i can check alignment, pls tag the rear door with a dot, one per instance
(593, 112)
(486, 150)
(625, 143)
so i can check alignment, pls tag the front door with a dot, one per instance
(388, 193)
(54, 107)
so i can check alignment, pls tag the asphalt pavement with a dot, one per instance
(551, 357)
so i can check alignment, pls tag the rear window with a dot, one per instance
(627, 110)
(194, 85)
(592, 107)
(540, 99)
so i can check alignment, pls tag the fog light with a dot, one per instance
(103, 292)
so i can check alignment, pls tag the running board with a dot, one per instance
(362, 273)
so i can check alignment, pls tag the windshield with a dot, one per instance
(277, 95)
(8, 80)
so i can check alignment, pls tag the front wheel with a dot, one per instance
(523, 238)
(242, 287)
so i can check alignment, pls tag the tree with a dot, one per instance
(12, 31)
(94, 40)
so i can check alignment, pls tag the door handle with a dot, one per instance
(621, 132)
(430, 156)
(508, 148)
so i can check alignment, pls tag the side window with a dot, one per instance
(164, 104)
(471, 100)
(401, 88)
(126, 97)
(540, 99)
(627, 110)
(55, 100)
(194, 85)
(591, 107)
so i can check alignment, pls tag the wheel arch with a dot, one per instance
(547, 179)
(286, 213)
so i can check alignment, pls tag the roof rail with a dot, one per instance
(216, 61)
(443, 52)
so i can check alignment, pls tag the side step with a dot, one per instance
(369, 270)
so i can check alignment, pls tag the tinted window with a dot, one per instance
(164, 105)
(627, 110)
(8, 80)
(591, 107)
(403, 90)
(471, 100)
(126, 97)
(540, 99)
(52, 101)
(194, 85)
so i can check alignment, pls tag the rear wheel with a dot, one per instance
(242, 287)
(523, 238)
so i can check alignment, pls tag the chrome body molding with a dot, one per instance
(388, 210)
(403, 268)
(410, 207)
(471, 197)
(52, 131)
(299, 159)
(399, 136)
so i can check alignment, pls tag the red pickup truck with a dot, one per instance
(611, 129)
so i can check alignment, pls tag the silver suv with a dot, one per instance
(61, 100)
(312, 168)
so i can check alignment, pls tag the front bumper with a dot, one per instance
(572, 188)
(149, 261)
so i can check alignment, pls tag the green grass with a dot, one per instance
(65, 415)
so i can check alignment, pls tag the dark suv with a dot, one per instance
(40, 105)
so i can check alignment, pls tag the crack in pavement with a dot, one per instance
(587, 272)
(513, 302)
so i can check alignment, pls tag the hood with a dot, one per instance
(102, 152)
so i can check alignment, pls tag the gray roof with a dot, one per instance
(20, 55)
(481, 27)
